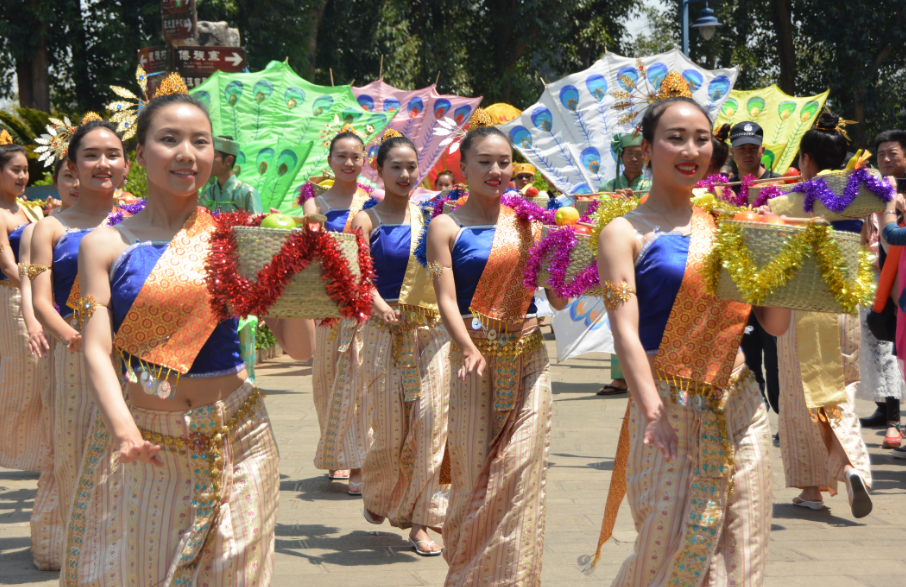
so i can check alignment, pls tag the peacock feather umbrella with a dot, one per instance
(567, 133)
(284, 125)
(420, 111)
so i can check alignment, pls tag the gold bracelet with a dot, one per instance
(614, 294)
(436, 269)
(35, 270)
(85, 308)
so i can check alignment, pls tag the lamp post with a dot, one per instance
(706, 23)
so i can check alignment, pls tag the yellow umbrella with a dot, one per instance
(501, 113)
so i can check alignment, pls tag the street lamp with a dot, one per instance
(706, 23)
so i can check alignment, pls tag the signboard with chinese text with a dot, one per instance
(179, 19)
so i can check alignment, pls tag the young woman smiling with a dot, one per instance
(180, 480)
(338, 343)
(500, 389)
(21, 378)
(96, 156)
(696, 423)
(405, 364)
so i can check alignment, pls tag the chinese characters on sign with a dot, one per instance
(194, 64)
(179, 19)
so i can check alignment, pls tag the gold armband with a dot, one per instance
(23, 270)
(614, 294)
(436, 269)
(85, 308)
(35, 270)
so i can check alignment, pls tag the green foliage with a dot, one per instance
(264, 338)
(136, 179)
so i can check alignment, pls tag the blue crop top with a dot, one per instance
(390, 246)
(219, 355)
(66, 267)
(15, 239)
(470, 256)
(659, 272)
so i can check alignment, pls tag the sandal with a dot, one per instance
(420, 552)
(611, 389)
(372, 518)
(812, 505)
(893, 441)
(355, 489)
(859, 500)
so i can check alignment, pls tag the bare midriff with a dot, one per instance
(191, 392)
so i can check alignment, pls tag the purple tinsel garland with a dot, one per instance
(115, 218)
(561, 241)
(767, 193)
(526, 209)
(817, 190)
(592, 208)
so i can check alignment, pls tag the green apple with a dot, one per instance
(278, 221)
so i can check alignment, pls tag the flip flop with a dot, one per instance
(338, 477)
(812, 505)
(355, 489)
(610, 389)
(859, 500)
(372, 518)
(420, 552)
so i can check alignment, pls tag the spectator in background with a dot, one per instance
(746, 139)
(881, 381)
(523, 175)
(227, 193)
(444, 181)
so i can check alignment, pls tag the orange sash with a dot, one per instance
(703, 333)
(500, 298)
(358, 200)
(171, 317)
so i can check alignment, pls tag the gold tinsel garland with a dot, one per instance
(606, 211)
(756, 284)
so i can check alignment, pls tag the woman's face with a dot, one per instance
(347, 159)
(100, 162)
(488, 166)
(14, 175)
(178, 151)
(680, 151)
(400, 171)
(67, 185)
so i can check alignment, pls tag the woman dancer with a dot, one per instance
(179, 483)
(21, 379)
(500, 394)
(696, 433)
(819, 355)
(338, 355)
(96, 155)
(405, 363)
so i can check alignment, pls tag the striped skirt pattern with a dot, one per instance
(402, 468)
(47, 534)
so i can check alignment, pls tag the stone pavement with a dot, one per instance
(323, 539)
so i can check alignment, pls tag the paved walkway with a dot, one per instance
(321, 535)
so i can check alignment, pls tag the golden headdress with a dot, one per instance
(5, 138)
(55, 143)
(173, 84)
(89, 116)
(635, 97)
(840, 127)
(480, 119)
(125, 112)
(391, 134)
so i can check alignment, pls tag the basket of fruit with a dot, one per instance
(280, 270)
(321, 183)
(768, 261)
(583, 203)
(564, 258)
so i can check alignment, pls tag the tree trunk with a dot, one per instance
(32, 72)
(315, 22)
(783, 26)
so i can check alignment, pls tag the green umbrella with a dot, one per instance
(284, 125)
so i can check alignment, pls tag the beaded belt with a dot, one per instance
(6, 283)
(404, 355)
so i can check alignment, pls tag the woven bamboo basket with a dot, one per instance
(865, 203)
(583, 205)
(305, 296)
(807, 289)
(582, 256)
(320, 190)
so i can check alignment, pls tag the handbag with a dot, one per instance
(883, 324)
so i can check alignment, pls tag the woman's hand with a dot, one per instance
(75, 343)
(135, 448)
(38, 345)
(387, 312)
(472, 361)
(624, 194)
(659, 433)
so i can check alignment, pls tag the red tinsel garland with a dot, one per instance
(230, 290)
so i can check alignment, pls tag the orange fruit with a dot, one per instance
(566, 215)
(746, 216)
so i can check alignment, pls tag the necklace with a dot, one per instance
(662, 215)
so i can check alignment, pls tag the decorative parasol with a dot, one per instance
(784, 119)
(284, 125)
(421, 111)
(567, 133)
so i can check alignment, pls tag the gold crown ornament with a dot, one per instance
(173, 84)
(5, 138)
(480, 119)
(125, 112)
(90, 116)
(391, 134)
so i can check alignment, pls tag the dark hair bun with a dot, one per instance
(722, 133)
(828, 121)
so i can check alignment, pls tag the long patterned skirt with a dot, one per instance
(807, 462)
(139, 525)
(47, 535)
(338, 399)
(401, 474)
(494, 530)
(880, 377)
(21, 381)
(729, 544)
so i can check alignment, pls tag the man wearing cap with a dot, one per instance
(758, 346)
(227, 193)
(628, 150)
(523, 175)
(746, 146)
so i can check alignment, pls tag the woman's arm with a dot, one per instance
(616, 267)
(7, 258)
(891, 234)
(96, 255)
(37, 342)
(296, 336)
(441, 235)
(362, 222)
(47, 233)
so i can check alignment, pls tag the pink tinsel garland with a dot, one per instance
(561, 242)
